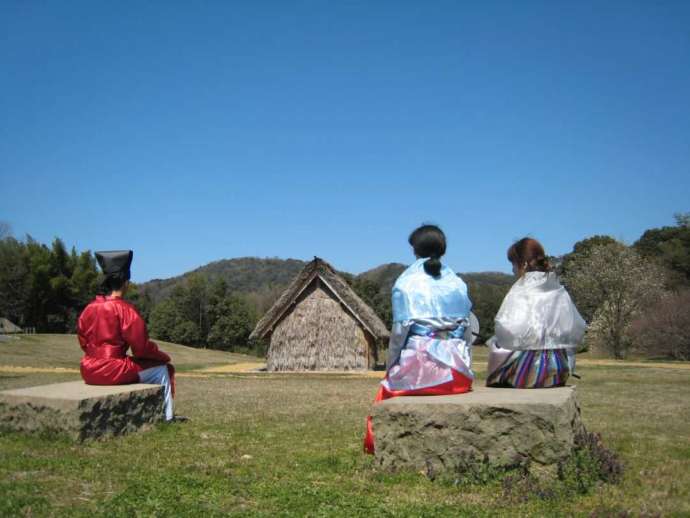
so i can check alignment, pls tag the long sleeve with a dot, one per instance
(472, 330)
(81, 333)
(135, 335)
(397, 341)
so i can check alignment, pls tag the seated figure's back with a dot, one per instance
(537, 326)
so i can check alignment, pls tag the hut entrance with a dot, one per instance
(318, 333)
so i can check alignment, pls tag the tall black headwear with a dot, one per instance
(115, 264)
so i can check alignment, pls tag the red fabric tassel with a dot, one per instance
(458, 385)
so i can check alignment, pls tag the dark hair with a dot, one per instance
(529, 252)
(429, 241)
(112, 282)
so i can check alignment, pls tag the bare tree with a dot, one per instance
(5, 230)
(682, 219)
(664, 330)
(619, 284)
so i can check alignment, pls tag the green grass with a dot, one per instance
(64, 351)
(291, 445)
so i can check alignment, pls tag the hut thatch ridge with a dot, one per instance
(337, 285)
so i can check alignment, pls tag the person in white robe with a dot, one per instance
(537, 328)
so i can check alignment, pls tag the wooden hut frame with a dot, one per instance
(319, 323)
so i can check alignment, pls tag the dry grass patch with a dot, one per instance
(63, 351)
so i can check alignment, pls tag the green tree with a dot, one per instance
(44, 287)
(163, 319)
(83, 285)
(39, 289)
(486, 300)
(194, 305)
(670, 246)
(186, 332)
(5, 230)
(183, 316)
(84, 280)
(141, 299)
(376, 296)
(233, 321)
(14, 280)
(60, 308)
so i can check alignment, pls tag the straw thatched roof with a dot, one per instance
(8, 327)
(318, 268)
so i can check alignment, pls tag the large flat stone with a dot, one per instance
(498, 427)
(81, 411)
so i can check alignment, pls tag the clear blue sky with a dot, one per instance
(196, 131)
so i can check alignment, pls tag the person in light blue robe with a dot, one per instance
(430, 349)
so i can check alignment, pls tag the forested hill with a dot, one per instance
(244, 275)
(261, 281)
(252, 274)
(385, 275)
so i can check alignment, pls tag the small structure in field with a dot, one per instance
(7, 327)
(319, 323)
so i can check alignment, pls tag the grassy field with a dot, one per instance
(266, 444)
(45, 351)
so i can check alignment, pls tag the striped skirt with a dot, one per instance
(529, 369)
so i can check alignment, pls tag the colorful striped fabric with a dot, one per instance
(532, 369)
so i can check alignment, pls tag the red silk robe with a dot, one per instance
(107, 327)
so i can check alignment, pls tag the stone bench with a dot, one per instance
(81, 411)
(498, 427)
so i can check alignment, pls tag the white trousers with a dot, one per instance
(159, 376)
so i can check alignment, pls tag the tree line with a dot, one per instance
(47, 287)
(204, 313)
(44, 286)
(634, 298)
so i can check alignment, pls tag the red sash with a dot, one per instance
(105, 351)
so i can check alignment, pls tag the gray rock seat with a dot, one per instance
(81, 411)
(488, 426)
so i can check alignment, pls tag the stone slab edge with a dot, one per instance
(91, 417)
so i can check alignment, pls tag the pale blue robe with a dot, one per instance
(439, 304)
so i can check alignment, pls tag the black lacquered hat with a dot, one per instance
(116, 261)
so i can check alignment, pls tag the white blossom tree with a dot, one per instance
(619, 283)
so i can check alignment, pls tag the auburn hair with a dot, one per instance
(528, 255)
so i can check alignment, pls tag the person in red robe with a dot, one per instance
(109, 326)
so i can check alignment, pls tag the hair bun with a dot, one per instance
(432, 266)
(429, 241)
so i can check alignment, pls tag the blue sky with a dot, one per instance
(192, 132)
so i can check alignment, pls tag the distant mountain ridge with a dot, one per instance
(242, 274)
(252, 274)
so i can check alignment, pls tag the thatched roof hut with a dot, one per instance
(319, 323)
(7, 327)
